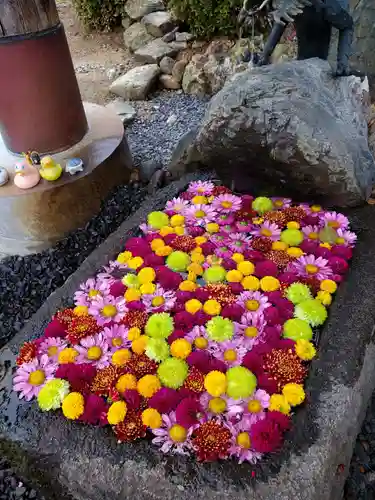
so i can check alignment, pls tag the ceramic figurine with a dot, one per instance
(49, 169)
(27, 176)
(74, 165)
(4, 176)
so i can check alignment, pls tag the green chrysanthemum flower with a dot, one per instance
(178, 261)
(262, 204)
(298, 292)
(292, 237)
(220, 329)
(131, 281)
(52, 394)
(157, 349)
(311, 311)
(172, 372)
(297, 329)
(214, 274)
(159, 326)
(328, 235)
(157, 220)
(241, 382)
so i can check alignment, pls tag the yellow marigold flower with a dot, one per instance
(197, 258)
(146, 275)
(305, 350)
(238, 257)
(246, 267)
(124, 257)
(201, 343)
(192, 276)
(179, 230)
(212, 307)
(180, 348)
(139, 344)
(327, 245)
(329, 286)
(217, 405)
(195, 268)
(147, 288)
(134, 333)
(294, 393)
(177, 220)
(135, 262)
(126, 382)
(192, 306)
(258, 220)
(148, 385)
(73, 405)
(81, 311)
(251, 283)
(269, 284)
(67, 355)
(117, 412)
(199, 200)
(164, 251)
(151, 418)
(215, 383)
(157, 243)
(324, 297)
(294, 252)
(132, 294)
(121, 357)
(316, 208)
(278, 402)
(197, 249)
(279, 245)
(234, 276)
(212, 227)
(293, 225)
(165, 230)
(187, 286)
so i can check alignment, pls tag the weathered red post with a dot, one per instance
(40, 102)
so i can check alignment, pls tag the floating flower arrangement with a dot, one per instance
(199, 335)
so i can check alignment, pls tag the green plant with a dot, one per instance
(206, 18)
(100, 15)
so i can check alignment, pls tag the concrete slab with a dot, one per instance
(69, 460)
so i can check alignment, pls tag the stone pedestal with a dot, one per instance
(32, 220)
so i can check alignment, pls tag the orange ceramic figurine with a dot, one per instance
(27, 176)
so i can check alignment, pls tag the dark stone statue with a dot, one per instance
(314, 20)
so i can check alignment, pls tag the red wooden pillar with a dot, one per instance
(40, 103)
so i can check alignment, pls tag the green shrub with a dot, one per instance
(100, 15)
(206, 18)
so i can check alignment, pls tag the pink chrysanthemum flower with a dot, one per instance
(107, 309)
(241, 443)
(177, 205)
(309, 266)
(228, 228)
(94, 350)
(311, 232)
(218, 239)
(267, 230)
(116, 337)
(250, 329)
(238, 242)
(161, 300)
(280, 203)
(251, 409)
(227, 203)
(173, 438)
(89, 290)
(253, 302)
(346, 238)
(231, 352)
(212, 409)
(51, 347)
(200, 214)
(244, 226)
(109, 274)
(31, 377)
(224, 219)
(335, 220)
(203, 188)
(223, 252)
(197, 332)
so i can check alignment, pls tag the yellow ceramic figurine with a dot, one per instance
(49, 169)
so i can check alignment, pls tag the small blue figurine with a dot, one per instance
(73, 166)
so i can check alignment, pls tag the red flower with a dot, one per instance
(232, 311)
(55, 329)
(117, 289)
(184, 243)
(266, 435)
(184, 321)
(338, 265)
(194, 381)
(141, 365)
(81, 327)
(80, 376)
(95, 406)
(27, 353)
(165, 400)
(138, 247)
(131, 428)
(188, 412)
(177, 334)
(169, 280)
(211, 441)
(266, 268)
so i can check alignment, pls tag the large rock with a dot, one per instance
(154, 51)
(291, 126)
(136, 9)
(136, 83)
(136, 36)
(158, 23)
